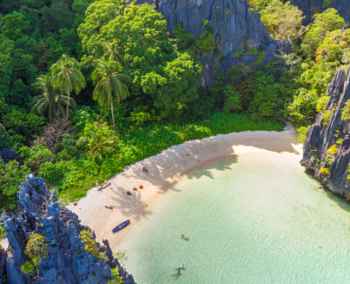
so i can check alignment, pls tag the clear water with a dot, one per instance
(249, 220)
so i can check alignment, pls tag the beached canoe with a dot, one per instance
(121, 226)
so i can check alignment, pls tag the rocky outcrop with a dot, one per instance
(67, 260)
(310, 7)
(327, 147)
(9, 155)
(236, 27)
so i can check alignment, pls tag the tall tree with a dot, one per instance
(49, 100)
(109, 83)
(68, 77)
(111, 51)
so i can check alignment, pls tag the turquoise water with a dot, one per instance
(249, 220)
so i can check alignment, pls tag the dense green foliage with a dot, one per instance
(98, 153)
(320, 49)
(11, 175)
(90, 245)
(149, 58)
(130, 73)
(4, 138)
(36, 250)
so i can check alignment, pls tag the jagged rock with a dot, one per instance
(236, 27)
(8, 155)
(334, 88)
(67, 260)
(310, 7)
(321, 137)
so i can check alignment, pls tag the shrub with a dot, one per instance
(302, 132)
(11, 176)
(261, 57)
(332, 150)
(326, 117)
(324, 171)
(184, 39)
(339, 141)
(326, 3)
(206, 41)
(36, 247)
(90, 245)
(233, 99)
(253, 51)
(321, 103)
(346, 111)
(5, 141)
(28, 268)
(115, 273)
(35, 156)
(237, 54)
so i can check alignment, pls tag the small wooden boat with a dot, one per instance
(121, 226)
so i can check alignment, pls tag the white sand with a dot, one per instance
(165, 168)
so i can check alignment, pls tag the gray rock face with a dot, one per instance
(67, 260)
(310, 7)
(322, 136)
(236, 27)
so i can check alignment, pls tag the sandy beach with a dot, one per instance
(164, 169)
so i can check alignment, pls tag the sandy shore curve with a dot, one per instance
(164, 169)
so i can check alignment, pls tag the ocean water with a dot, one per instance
(249, 220)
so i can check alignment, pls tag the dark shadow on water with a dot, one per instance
(222, 165)
(338, 199)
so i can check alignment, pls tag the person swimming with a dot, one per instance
(185, 238)
(177, 273)
(182, 266)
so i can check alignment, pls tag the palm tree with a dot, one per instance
(111, 52)
(49, 99)
(109, 84)
(68, 77)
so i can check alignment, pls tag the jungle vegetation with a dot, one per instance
(88, 87)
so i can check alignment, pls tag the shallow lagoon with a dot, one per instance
(250, 219)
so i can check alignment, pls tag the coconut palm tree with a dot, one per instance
(49, 99)
(111, 52)
(109, 83)
(68, 77)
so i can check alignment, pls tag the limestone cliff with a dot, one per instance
(327, 147)
(236, 27)
(310, 7)
(67, 260)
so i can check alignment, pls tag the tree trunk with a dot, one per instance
(67, 115)
(112, 115)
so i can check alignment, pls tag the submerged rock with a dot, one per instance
(67, 260)
(327, 147)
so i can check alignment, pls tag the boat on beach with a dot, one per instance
(121, 226)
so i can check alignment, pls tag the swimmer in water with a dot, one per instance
(185, 238)
(177, 273)
(180, 267)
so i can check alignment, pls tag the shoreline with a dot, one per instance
(165, 169)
